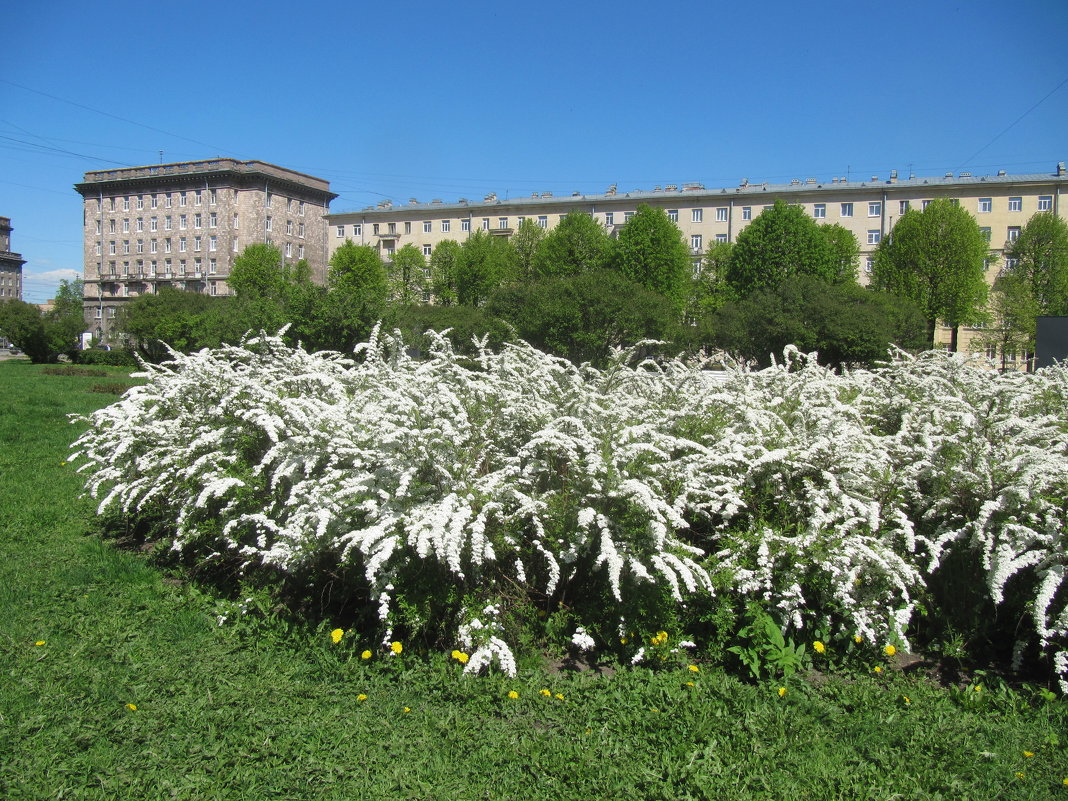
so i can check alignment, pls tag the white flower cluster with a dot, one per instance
(481, 638)
(817, 494)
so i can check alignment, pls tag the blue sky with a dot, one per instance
(448, 100)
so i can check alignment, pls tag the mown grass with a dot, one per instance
(262, 707)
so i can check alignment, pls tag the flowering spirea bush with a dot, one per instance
(822, 497)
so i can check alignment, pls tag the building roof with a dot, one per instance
(154, 173)
(703, 195)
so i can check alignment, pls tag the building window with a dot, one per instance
(627, 216)
(819, 211)
(986, 233)
(925, 203)
(374, 228)
(986, 205)
(181, 244)
(407, 227)
(543, 221)
(198, 221)
(126, 225)
(213, 220)
(152, 246)
(357, 230)
(289, 228)
(610, 217)
(697, 215)
(300, 230)
(98, 249)
(485, 223)
(196, 243)
(874, 236)
(875, 208)
(673, 215)
(747, 212)
(214, 287)
(695, 241)
(126, 204)
(289, 248)
(181, 198)
(213, 244)
(1014, 233)
(1015, 204)
(902, 206)
(869, 265)
(140, 246)
(847, 210)
(111, 226)
(300, 208)
(268, 200)
(167, 223)
(196, 197)
(182, 222)
(428, 226)
(502, 222)
(268, 224)
(446, 226)
(126, 246)
(167, 200)
(721, 237)
(721, 215)
(212, 197)
(166, 245)
(465, 225)
(1045, 202)
(153, 202)
(300, 251)
(153, 224)
(392, 227)
(427, 250)
(140, 201)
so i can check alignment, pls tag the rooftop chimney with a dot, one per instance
(1060, 169)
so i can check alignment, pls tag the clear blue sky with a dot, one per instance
(448, 100)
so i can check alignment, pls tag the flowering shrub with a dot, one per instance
(826, 499)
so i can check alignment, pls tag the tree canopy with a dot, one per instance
(485, 262)
(406, 278)
(935, 258)
(359, 270)
(651, 251)
(44, 335)
(577, 245)
(781, 242)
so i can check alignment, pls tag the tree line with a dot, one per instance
(577, 292)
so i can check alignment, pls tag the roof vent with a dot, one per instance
(671, 188)
(810, 180)
(546, 194)
(949, 175)
(795, 182)
(745, 182)
(692, 187)
(834, 180)
(576, 194)
(1001, 173)
(412, 201)
(657, 188)
(490, 197)
(612, 189)
(437, 201)
(1060, 169)
(965, 175)
(875, 179)
(462, 200)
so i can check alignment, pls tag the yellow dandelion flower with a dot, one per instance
(818, 647)
(906, 700)
(978, 688)
(782, 692)
(858, 639)
(690, 684)
(365, 655)
(622, 640)
(693, 668)
(1019, 774)
(361, 697)
(132, 707)
(337, 634)
(889, 650)
(513, 694)
(396, 647)
(877, 669)
(546, 693)
(39, 642)
(1029, 754)
(460, 657)
(1065, 782)
(407, 709)
(589, 731)
(559, 697)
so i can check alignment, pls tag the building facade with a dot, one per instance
(1002, 204)
(10, 265)
(182, 225)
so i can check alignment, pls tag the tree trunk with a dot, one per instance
(954, 332)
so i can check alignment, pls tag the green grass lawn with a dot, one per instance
(117, 682)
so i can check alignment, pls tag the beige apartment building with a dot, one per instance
(10, 265)
(1002, 204)
(182, 224)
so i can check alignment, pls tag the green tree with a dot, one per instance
(846, 323)
(44, 335)
(582, 317)
(781, 242)
(463, 323)
(708, 289)
(577, 245)
(1011, 328)
(359, 270)
(443, 264)
(485, 262)
(266, 292)
(845, 252)
(936, 258)
(169, 318)
(1035, 278)
(406, 275)
(526, 242)
(651, 251)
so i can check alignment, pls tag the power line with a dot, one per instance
(1013, 123)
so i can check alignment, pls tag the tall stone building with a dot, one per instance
(182, 225)
(10, 265)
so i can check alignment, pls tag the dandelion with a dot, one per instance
(1065, 782)
(407, 709)
(818, 647)
(690, 684)
(978, 688)
(1020, 775)
(396, 647)
(132, 707)
(365, 655)
(622, 640)
(693, 669)
(889, 650)
(513, 694)
(782, 692)
(906, 700)
(559, 697)
(546, 693)
(361, 697)
(39, 642)
(336, 635)
(877, 669)
(858, 639)
(1028, 754)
